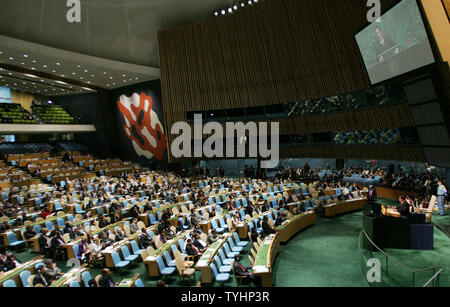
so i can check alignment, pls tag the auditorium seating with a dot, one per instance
(53, 114)
(12, 113)
(367, 137)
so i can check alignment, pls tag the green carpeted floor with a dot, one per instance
(323, 255)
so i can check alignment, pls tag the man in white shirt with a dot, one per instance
(441, 191)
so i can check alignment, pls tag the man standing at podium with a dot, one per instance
(441, 192)
(404, 207)
(372, 194)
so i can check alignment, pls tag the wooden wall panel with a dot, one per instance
(274, 51)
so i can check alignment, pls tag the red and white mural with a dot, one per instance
(143, 126)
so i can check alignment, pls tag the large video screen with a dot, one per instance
(395, 44)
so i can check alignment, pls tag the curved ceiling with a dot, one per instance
(120, 30)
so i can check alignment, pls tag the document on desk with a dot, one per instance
(260, 269)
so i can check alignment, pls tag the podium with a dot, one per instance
(374, 225)
(422, 236)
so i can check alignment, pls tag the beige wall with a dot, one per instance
(24, 99)
(437, 17)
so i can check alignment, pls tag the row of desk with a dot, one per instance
(344, 207)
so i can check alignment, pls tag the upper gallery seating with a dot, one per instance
(377, 96)
(6, 148)
(365, 137)
(72, 146)
(53, 114)
(13, 113)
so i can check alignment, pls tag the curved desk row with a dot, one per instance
(344, 207)
(299, 222)
(265, 259)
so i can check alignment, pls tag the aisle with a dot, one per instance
(325, 255)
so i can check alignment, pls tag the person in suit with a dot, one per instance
(103, 222)
(115, 218)
(41, 277)
(106, 280)
(382, 44)
(134, 226)
(212, 236)
(29, 233)
(404, 207)
(44, 242)
(69, 229)
(196, 242)
(145, 239)
(51, 270)
(280, 219)
(191, 250)
(372, 194)
(249, 209)
(120, 235)
(254, 235)
(11, 262)
(241, 270)
(105, 240)
(266, 227)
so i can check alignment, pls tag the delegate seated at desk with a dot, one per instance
(240, 270)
